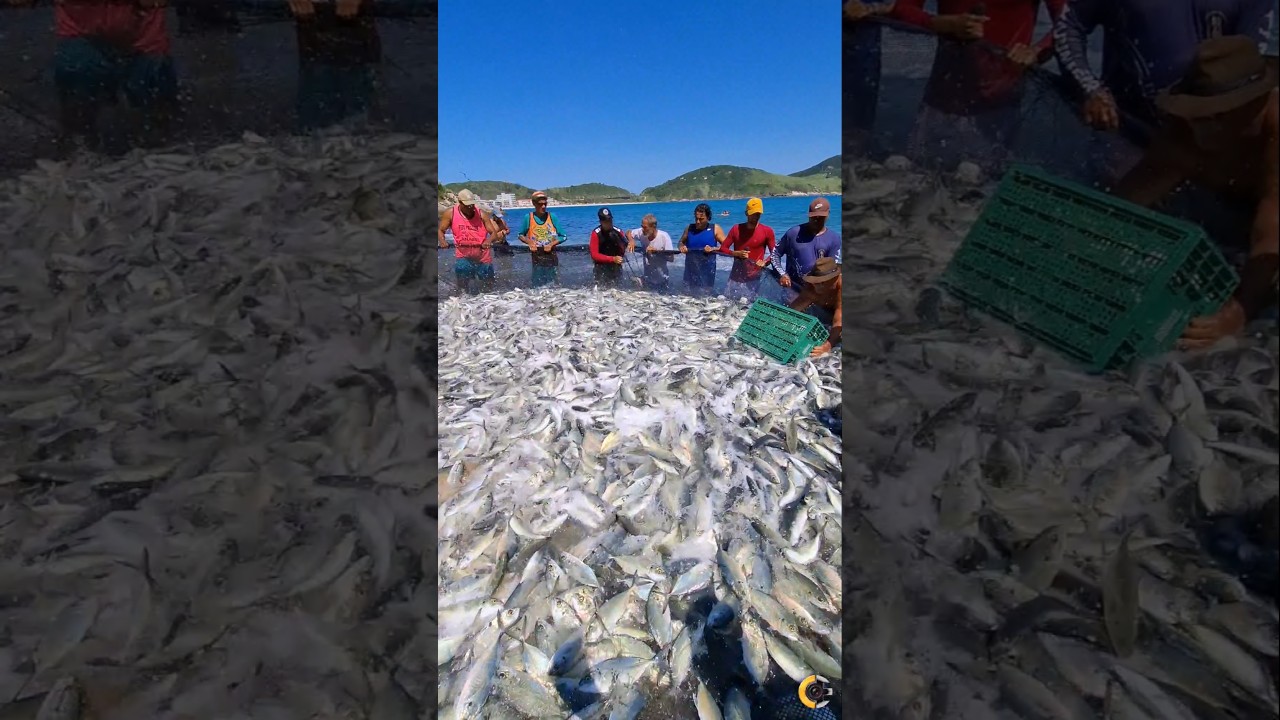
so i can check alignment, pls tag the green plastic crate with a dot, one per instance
(1103, 281)
(781, 333)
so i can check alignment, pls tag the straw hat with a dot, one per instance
(823, 270)
(1227, 73)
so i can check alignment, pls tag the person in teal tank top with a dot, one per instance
(540, 233)
(700, 244)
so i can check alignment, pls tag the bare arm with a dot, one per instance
(1157, 174)
(1258, 277)
(837, 318)
(684, 239)
(446, 219)
(1266, 224)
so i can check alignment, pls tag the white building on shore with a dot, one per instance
(504, 200)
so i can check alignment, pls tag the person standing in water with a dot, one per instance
(751, 244)
(1147, 47)
(652, 242)
(1223, 133)
(802, 245)
(699, 243)
(607, 246)
(821, 299)
(338, 52)
(972, 106)
(861, 72)
(105, 49)
(540, 234)
(500, 246)
(474, 232)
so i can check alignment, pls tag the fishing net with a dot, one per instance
(1051, 133)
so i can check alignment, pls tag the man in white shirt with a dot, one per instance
(653, 242)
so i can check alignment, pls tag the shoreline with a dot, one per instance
(654, 202)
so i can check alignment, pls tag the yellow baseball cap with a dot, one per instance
(755, 206)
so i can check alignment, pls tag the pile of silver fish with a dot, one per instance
(1032, 541)
(640, 516)
(216, 474)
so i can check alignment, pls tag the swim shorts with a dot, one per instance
(92, 71)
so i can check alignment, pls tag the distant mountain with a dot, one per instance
(732, 181)
(591, 193)
(709, 183)
(829, 167)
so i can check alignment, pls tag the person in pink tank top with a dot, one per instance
(107, 48)
(474, 233)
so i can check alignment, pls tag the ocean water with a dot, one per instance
(780, 213)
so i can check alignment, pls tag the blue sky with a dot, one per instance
(635, 93)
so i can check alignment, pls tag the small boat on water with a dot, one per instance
(724, 213)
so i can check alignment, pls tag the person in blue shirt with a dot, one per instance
(700, 243)
(803, 244)
(1147, 46)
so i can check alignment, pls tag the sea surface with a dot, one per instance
(780, 213)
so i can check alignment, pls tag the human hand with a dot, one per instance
(761, 263)
(822, 349)
(1023, 55)
(855, 10)
(1100, 111)
(785, 281)
(709, 249)
(1203, 332)
(962, 27)
(617, 260)
(486, 245)
(444, 243)
(348, 8)
(742, 254)
(651, 249)
(684, 249)
(302, 8)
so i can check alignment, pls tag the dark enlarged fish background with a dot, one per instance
(217, 398)
(1024, 540)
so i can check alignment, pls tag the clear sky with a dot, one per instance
(627, 93)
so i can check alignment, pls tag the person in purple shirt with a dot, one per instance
(1147, 46)
(803, 244)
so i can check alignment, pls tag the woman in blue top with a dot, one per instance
(700, 242)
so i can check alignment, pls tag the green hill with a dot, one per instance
(486, 189)
(591, 193)
(731, 181)
(829, 167)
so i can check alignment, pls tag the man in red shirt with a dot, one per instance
(608, 247)
(751, 244)
(974, 92)
(106, 47)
